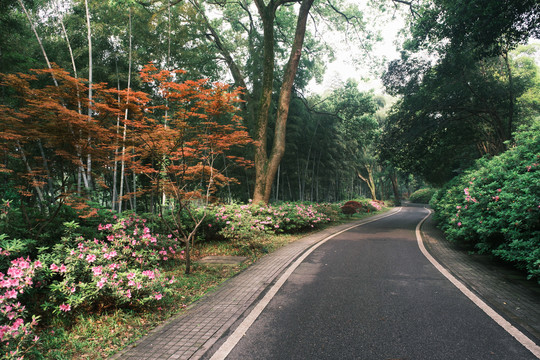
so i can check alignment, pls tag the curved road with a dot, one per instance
(369, 293)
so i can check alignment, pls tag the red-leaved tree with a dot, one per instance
(180, 152)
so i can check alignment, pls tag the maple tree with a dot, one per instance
(177, 137)
(179, 152)
(44, 136)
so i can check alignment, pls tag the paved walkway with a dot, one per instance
(196, 333)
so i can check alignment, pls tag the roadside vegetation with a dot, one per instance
(86, 296)
(182, 111)
(494, 207)
(422, 196)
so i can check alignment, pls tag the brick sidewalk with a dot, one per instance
(192, 334)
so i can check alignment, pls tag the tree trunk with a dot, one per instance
(266, 166)
(395, 187)
(38, 39)
(510, 125)
(90, 81)
(124, 134)
(369, 181)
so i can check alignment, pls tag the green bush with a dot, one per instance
(495, 206)
(422, 196)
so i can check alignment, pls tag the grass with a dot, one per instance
(100, 334)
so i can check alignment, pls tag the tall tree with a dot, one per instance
(359, 129)
(90, 89)
(277, 30)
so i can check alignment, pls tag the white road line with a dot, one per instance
(518, 335)
(241, 330)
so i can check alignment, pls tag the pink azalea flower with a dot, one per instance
(15, 272)
(63, 268)
(65, 307)
(90, 258)
(11, 294)
(158, 296)
(97, 270)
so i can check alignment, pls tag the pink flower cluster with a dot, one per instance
(13, 328)
(377, 205)
(123, 267)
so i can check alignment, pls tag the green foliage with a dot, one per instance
(495, 207)
(461, 110)
(245, 221)
(488, 25)
(422, 196)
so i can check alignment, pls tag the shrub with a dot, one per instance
(375, 205)
(494, 207)
(243, 222)
(16, 328)
(422, 196)
(351, 207)
(120, 269)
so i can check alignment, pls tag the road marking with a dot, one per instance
(518, 335)
(241, 330)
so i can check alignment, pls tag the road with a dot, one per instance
(369, 293)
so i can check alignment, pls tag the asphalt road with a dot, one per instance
(369, 293)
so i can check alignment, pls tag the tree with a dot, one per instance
(359, 129)
(462, 103)
(483, 27)
(181, 157)
(45, 137)
(266, 164)
(277, 30)
(452, 113)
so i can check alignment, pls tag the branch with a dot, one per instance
(235, 70)
(410, 4)
(347, 18)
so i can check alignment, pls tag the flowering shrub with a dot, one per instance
(246, 223)
(376, 205)
(495, 208)
(16, 330)
(120, 269)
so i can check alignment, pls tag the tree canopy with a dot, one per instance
(468, 98)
